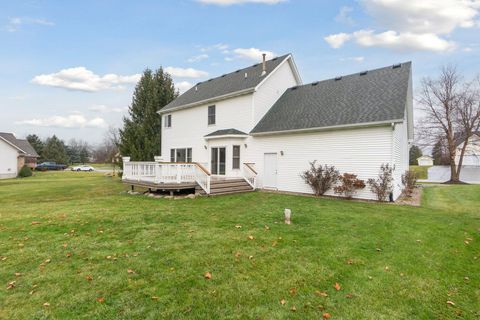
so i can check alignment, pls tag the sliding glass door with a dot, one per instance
(218, 157)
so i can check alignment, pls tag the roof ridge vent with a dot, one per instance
(315, 83)
(397, 65)
(363, 72)
(338, 78)
(210, 80)
(246, 75)
(223, 75)
(294, 88)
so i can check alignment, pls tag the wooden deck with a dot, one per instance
(161, 186)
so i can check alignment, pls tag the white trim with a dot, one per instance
(293, 67)
(210, 100)
(338, 127)
(11, 144)
(240, 136)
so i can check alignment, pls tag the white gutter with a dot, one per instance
(241, 136)
(338, 127)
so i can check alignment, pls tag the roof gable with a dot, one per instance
(20, 144)
(375, 96)
(225, 85)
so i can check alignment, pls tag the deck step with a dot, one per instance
(230, 192)
(228, 186)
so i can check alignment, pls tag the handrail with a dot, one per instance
(250, 176)
(203, 168)
(247, 164)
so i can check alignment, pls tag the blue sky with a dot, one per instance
(69, 68)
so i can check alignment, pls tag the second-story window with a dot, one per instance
(168, 121)
(211, 115)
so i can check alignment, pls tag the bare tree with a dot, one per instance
(452, 113)
(108, 148)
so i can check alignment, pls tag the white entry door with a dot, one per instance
(270, 171)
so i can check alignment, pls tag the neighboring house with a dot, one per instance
(14, 154)
(472, 152)
(262, 120)
(424, 161)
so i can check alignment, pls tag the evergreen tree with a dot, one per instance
(415, 153)
(55, 150)
(140, 137)
(440, 154)
(36, 143)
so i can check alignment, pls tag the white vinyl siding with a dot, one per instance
(8, 160)
(358, 151)
(400, 156)
(271, 90)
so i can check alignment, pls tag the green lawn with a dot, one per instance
(98, 253)
(422, 171)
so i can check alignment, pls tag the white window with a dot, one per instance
(211, 115)
(236, 157)
(181, 155)
(168, 121)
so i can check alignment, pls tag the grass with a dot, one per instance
(421, 171)
(392, 262)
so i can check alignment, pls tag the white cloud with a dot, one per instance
(344, 15)
(82, 79)
(253, 54)
(337, 40)
(232, 2)
(15, 23)
(413, 25)
(186, 72)
(467, 49)
(106, 109)
(200, 57)
(393, 40)
(425, 16)
(183, 86)
(218, 46)
(356, 59)
(70, 121)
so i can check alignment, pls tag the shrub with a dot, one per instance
(349, 185)
(320, 178)
(382, 186)
(409, 180)
(25, 172)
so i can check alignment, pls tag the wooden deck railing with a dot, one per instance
(249, 174)
(167, 173)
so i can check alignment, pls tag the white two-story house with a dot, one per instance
(262, 125)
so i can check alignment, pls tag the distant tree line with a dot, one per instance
(75, 150)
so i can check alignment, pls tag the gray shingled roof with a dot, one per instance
(224, 132)
(226, 84)
(380, 95)
(21, 144)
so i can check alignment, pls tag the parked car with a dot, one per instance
(50, 166)
(82, 168)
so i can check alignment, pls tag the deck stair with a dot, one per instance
(227, 186)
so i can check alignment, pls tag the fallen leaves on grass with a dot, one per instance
(267, 227)
(274, 243)
(3, 258)
(337, 286)
(451, 303)
(349, 296)
(326, 316)
(238, 226)
(155, 298)
(17, 274)
(36, 222)
(293, 308)
(131, 271)
(69, 254)
(250, 237)
(237, 254)
(282, 302)
(46, 304)
(321, 294)
(208, 276)
(89, 278)
(293, 291)
(11, 285)
(101, 299)
(349, 261)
